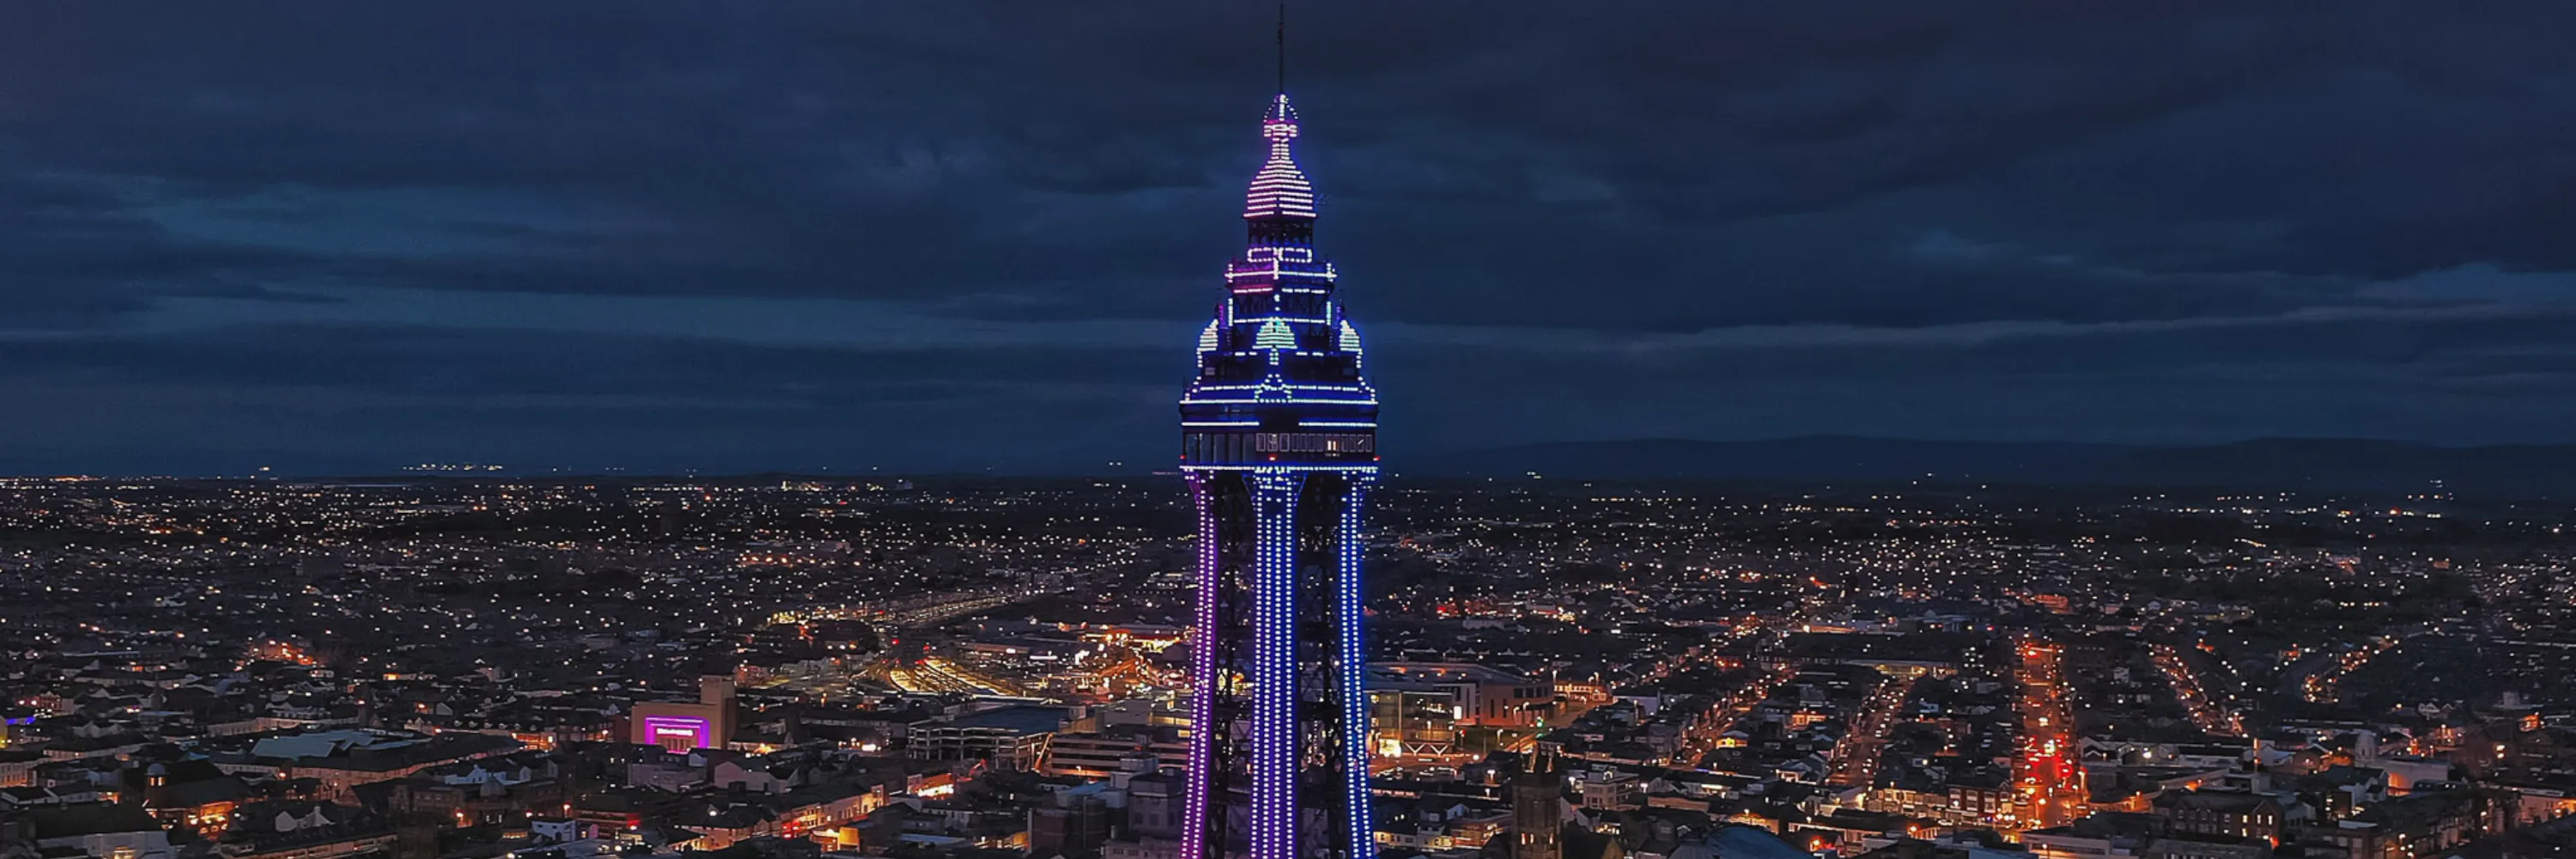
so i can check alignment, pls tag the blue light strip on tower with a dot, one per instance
(1274, 682)
(1353, 660)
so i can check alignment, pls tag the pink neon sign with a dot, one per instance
(664, 729)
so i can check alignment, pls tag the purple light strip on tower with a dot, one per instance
(1203, 674)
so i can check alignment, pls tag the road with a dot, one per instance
(2319, 687)
(1720, 716)
(2210, 716)
(939, 675)
(2048, 782)
(1856, 755)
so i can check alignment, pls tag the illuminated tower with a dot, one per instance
(1279, 439)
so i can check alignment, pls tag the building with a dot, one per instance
(679, 727)
(2103, 835)
(1475, 695)
(1612, 790)
(100, 829)
(1415, 723)
(2207, 847)
(1075, 824)
(1011, 738)
(2223, 814)
(1279, 443)
(292, 829)
(1100, 754)
(1978, 796)
(339, 761)
(1538, 810)
(2419, 824)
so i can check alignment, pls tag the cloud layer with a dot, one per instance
(976, 235)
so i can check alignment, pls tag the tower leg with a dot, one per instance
(1352, 661)
(1206, 634)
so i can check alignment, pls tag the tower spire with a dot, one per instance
(1279, 191)
(1283, 47)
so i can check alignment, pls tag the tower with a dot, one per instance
(1538, 800)
(1279, 442)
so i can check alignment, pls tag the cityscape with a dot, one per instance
(988, 667)
(2130, 623)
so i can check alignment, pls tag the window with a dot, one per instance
(1271, 442)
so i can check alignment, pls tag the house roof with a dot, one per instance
(1023, 720)
(91, 818)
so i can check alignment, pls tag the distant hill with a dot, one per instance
(2289, 463)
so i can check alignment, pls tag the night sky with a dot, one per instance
(968, 235)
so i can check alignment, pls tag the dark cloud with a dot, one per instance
(725, 231)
